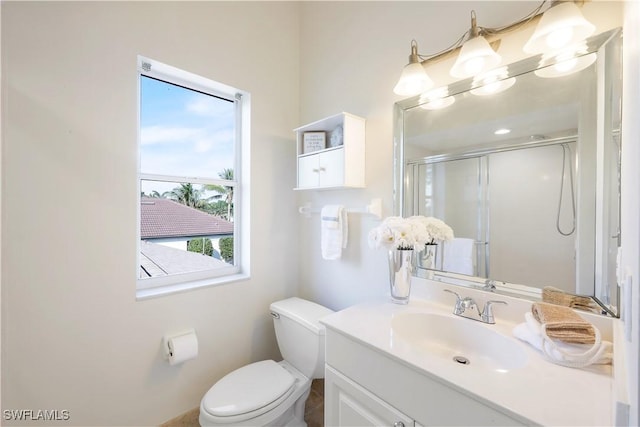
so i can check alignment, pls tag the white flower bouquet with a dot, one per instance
(409, 233)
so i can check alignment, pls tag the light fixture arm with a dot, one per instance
(414, 57)
(491, 34)
(475, 30)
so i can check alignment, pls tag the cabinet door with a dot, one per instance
(331, 168)
(308, 171)
(348, 404)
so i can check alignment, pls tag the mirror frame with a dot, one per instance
(597, 44)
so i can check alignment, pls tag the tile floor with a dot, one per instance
(313, 411)
(314, 408)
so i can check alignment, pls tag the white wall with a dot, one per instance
(630, 221)
(352, 55)
(73, 335)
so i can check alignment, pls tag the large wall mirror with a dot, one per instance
(526, 172)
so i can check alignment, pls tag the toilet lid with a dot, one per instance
(249, 390)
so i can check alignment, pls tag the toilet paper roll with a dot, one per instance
(182, 348)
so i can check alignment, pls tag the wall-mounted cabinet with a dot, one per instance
(331, 153)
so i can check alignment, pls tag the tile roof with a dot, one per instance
(163, 218)
(158, 260)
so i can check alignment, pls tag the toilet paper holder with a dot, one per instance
(167, 343)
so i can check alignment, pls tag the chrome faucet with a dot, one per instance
(464, 307)
(489, 285)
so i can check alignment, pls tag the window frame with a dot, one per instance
(156, 286)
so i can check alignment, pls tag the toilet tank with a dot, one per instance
(300, 335)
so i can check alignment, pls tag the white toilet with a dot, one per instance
(269, 393)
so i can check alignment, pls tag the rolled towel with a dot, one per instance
(565, 354)
(557, 296)
(563, 323)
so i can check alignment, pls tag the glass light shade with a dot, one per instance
(476, 56)
(413, 80)
(560, 26)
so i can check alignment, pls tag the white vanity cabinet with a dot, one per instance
(365, 387)
(340, 164)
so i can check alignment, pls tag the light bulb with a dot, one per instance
(559, 38)
(473, 66)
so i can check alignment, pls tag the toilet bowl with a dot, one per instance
(269, 393)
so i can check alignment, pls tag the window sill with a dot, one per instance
(160, 291)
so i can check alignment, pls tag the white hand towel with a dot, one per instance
(458, 256)
(561, 353)
(333, 231)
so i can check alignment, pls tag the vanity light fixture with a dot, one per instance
(559, 26)
(562, 25)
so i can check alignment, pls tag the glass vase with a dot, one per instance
(426, 259)
(400, 273)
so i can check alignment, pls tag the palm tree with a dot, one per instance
(224, 192)
(154, 194)
(188, 195)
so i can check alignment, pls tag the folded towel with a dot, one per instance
(333, 231)
(563, 323)
(559, 297)
(572, 355)
(458, 256)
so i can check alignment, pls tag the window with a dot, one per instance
(193, 163)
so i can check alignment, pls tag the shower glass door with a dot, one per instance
(455, 191)
(519, 207)
(533, 219)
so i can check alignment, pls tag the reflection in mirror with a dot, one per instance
(526, 172)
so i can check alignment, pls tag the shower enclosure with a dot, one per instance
(517, 204)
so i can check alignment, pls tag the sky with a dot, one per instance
(183, 133)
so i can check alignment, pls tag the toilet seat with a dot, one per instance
(248, 392)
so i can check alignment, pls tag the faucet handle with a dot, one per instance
(461, 303)
(487, 313)
(458, 297)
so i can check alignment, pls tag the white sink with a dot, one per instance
(459, 340)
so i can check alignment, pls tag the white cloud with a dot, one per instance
(163, 134)
(210, 106)
(222, 139)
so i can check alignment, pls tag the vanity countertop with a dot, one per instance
(539, 393)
